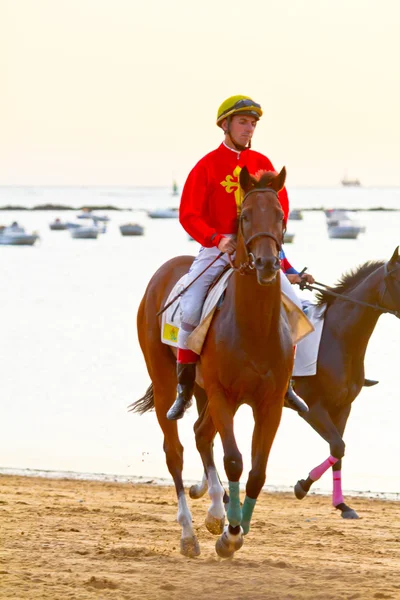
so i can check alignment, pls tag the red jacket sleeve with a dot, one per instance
(193, 200)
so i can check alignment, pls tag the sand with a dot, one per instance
(67, 539)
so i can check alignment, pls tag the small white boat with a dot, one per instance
(163, 213)
(345, 230)
(288, 237)
(131, 229)
(296, 215)
(88, 214)
(58, 225)
(17, 236)
(84, 233)
(341, 225)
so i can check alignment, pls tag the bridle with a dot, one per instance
(389, 287)
(250, 263)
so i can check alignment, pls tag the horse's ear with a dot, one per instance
(395, 257)
(245, 180)
(279, 182)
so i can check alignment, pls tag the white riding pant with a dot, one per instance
(193, 299)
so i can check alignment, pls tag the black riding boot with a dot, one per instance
(293, 401)
(186, 373)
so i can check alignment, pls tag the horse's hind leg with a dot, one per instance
(205, 433)
(320, 420)
(164, 394)
(337, 497)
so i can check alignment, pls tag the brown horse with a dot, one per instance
(352, 313)
(247, 358)
(353, 309)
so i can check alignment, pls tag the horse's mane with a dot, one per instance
(349, 280)
(263, 178)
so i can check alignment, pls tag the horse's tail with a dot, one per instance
(145, 403)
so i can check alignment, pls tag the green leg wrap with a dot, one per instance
(234, 512)
(247, 512)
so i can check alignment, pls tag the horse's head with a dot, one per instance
(261, 223)
(391, 296)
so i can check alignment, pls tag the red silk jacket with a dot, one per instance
(212, 197)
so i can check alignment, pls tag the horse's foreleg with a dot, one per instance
(265, 428)
(337, 496)
(222, 415)
(205, 433)
(174, 457)
(320, 420)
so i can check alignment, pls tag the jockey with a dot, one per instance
(209, 209)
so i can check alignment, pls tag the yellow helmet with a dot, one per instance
(238, 104)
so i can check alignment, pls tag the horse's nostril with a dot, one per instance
(260, 263)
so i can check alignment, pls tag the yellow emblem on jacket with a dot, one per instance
(231, 184)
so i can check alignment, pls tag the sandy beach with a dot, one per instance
(72, 539)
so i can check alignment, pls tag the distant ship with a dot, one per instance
(175, 189)
(350, 182)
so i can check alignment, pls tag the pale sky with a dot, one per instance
(124, 92)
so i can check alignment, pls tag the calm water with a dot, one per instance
(71, 363)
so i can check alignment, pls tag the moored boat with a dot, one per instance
(15, 235)
(163, 213)
(58, 225)
(85, 232)
(131, 229)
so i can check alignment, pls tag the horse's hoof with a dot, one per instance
(196, 491)
(299, 491)
(190, 547)
(214, 525)
(228, 544)
(346, 511)
(349, 514)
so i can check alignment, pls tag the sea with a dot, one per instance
(71, 364)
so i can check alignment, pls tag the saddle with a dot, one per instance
(300, 325)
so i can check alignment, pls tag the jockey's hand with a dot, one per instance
(295, 278)
(308, 278)
(227, 245)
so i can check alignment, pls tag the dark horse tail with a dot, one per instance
(145, 403)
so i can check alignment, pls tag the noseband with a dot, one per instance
(250, 264)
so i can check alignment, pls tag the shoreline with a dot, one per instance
(88, 539)
(62, 207)
(164, 482)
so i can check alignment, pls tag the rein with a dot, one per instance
(326, 290)
(250, 264)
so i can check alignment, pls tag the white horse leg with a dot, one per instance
(189, 544)
(199, 489)
(215, 518)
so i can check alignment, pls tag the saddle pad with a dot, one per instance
(305, 362)
(171, 318)
(300, 325)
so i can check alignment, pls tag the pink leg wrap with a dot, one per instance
(187, 356)
(337, 496)
(316, 473)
